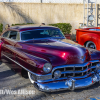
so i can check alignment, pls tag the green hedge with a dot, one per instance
(21, 24)
(1, 27)
(65, 27)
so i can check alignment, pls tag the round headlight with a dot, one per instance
(47, 67)
(98, 66)
(57, 74)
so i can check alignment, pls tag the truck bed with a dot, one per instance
(88, 34)
(79, 32)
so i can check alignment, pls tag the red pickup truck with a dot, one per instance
(89, 37)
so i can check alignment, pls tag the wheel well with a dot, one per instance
(85, 43)
(24, 73)
(90, 41)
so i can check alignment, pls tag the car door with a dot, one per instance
(3, 38)
(9, 42)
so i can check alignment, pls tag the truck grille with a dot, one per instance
(76, 70)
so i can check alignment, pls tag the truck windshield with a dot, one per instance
(35, 34)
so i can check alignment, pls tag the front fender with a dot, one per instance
(90, 37)
(27, 61)
(0, 48)
(33, 63)
(94, 54)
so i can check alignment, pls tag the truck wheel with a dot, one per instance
(90, 44)
(31, 78)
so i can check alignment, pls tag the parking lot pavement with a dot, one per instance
(9, 80)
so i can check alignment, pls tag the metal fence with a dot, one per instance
(45, 1)
(48, 1)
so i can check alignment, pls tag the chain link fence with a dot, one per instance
(45, 1)
(49, 1)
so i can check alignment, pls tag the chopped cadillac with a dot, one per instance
(51, 62)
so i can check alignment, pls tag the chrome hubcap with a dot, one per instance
(92, 46)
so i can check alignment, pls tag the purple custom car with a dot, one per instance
(51, 62)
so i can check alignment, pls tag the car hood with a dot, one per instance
(57, 52)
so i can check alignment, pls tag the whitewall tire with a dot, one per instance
(91, 45)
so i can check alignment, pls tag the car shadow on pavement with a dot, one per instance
(6, 73)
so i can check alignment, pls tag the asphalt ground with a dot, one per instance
(9, 80)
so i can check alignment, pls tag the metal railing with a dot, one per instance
(46, 1)
(49, 1)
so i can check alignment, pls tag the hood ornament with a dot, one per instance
(82, 58)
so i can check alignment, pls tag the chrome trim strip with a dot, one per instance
(18, 64)
(35, 56)
(37, 75)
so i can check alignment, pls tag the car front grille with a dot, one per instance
(76, 70)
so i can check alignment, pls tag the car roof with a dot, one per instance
(31, 27)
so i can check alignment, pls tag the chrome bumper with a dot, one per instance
(63, 85)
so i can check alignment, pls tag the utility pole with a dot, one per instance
(98, 15)
(89, 13)
(41, 1)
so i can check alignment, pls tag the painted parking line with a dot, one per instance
(96, 98)
(93, 99)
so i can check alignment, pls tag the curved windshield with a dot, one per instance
(46, 33)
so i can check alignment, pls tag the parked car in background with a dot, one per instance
(51, 62)
(89, 37)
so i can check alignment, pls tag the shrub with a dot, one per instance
(1, 27)
(21, 24)
(65, 27)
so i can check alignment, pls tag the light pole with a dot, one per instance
(41, 1)
(90, 13)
